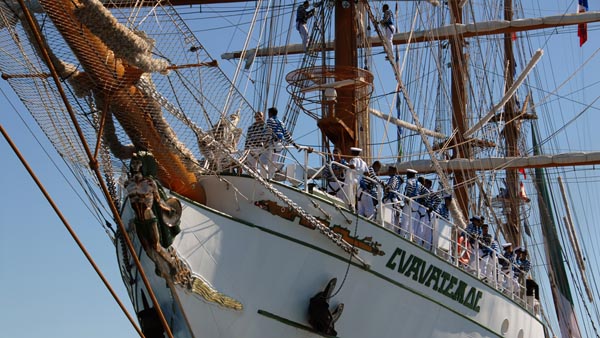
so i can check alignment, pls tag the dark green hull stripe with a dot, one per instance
(291, 323)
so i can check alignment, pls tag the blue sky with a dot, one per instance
(47, 286)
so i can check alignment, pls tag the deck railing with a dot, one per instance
(430, 230)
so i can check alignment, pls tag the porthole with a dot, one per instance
(504, 327)
(521, 334)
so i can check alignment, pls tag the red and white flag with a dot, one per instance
(582, 7)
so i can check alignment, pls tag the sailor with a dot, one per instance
(302, 16)
(433, 200)
(410, 211)
(472, 234)
(521, 267)
(444, 208)
(227, 135)
(532, 291)
(387, 23)
(277, 136)
(221, 132)
(474, 228)
(357, 167)
(421, 223)
(255, 144)
(488, 249)
(392, 195)
(431, 203)
(506, 261)
(367, 191)
(335, 177)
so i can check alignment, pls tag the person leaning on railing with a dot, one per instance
(392, 194)
(277, 138)
(410, 211)
(367, 193)
(522, 265)
(334, 178)
(488, 249)
(444, 208)
(506, 260)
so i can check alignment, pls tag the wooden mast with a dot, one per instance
(511, 136)
(346, 55)
(343, 128)
(459, 103)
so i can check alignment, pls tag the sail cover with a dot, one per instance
(561, 293)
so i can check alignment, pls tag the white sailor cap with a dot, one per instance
(506, 245)
(412, 171)
(355, 149)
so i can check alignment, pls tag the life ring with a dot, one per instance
(464, 250)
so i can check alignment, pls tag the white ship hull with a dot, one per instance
(273, 266)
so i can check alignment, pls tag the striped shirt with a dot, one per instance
(369, 185)
(433, 200)
(255, 136)
(412, 188)
(388, 18)
(521, 266)
(277, 131)
(474, 231)
(444, 211)
(393, 186)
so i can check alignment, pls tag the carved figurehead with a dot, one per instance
(156, 218)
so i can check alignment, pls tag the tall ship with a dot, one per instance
(324, 169)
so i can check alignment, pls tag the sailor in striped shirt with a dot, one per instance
(391, 198)
(387, 22)
(488, 249)
(410, 211)
(522, 266)
(420, 217)
(277, 136)
(255, 144)
(392, 187)
(433, 200)
(443, 209)
(367, 191)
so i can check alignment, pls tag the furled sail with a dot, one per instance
(563, 301)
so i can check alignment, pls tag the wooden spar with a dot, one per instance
(500, 163)
(447, 32)
(113, 80)
(406, 125)
(507, 95)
